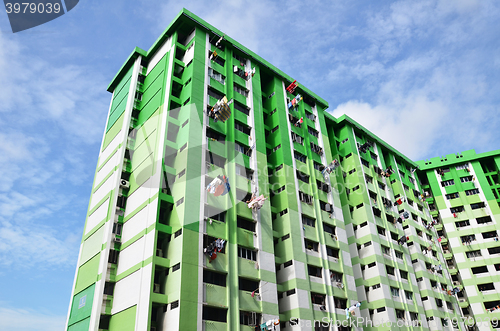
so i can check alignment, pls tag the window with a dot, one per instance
(368, 178)
(323, 186)
(447, 183)
(328, 229)
(373, 156)
(242, 127)
(494, 250)
(302, 176)
(461, 224)
(381, 231)
(113, 256)
(306, 198)
(214, 314)
(439, 302)
(247, 254)
(316, 149)
(314, 271)
(400, 314)
(452, 196)
(394, 291)
(477, 205)
(240, 148)
(240, 59)
(310, 116)
(489, 234)
(300, 157)
(109, 288)
(318, 299)
(390, 270)
(297, 138)
(486, 287)
(250, 318)
(479, 270)
(333, 252)
(365, 163)
(466, 179)
(472, 192)
(312, 131)
(318, 166)
(381, 186)
(308, 221)
(216, 76)
(214, 94)
(241, 90)
(244, 172)
(311, 245)
(245, 224)
(214, 278)
(484, 220)
(241, 108)
(386, 250)
(458, 209)
(403, 274)
(248, 285)
(462, 166)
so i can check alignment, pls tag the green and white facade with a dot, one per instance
(317, 246)
(465, 190)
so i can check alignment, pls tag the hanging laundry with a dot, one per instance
(214, 247)
(227, 187)
(214, 184)
(213, 55)
(406, 215)
(219, 41)
(221, 109)
(331, 167)
(350, 310)
(256, 202)
(403, 240)
(291, 88)
(299, 121)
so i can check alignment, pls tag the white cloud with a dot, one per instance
(29, 320)
(35, 245)
(404, 126)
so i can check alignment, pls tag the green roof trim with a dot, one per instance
(186, 14)
(345, 118)
(458, 158)
(123, 70)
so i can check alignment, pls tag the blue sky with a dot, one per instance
(392, 66)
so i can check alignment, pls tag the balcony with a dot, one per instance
(215, 295)
(214, 326)
(248, 303)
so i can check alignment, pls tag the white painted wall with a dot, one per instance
(97, 216)
(110, 148)
(106, 169)
(105, 188)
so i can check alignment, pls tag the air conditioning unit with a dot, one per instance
(124, 183)
(117, 239)
(156, 288)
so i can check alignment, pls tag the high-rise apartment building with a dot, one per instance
(465, 191)
(226, 198)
